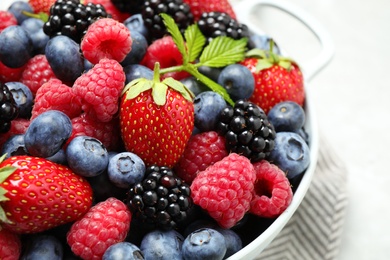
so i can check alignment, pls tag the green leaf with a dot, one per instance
(223, 51)
(139, 86)
(179, 87)
(159, 93)
(195, 41)
(174, 30)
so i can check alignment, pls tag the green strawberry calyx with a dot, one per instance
(159, 88)
(5, 172)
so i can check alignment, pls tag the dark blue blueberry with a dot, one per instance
(103, 188)
(123, 250)
(87, 156)
(47, 133)
(135, 71)
(16, 47)
(87, 65)
(64, 57)
(136, 23)
(160, 244)
(138, 49)
(207, 106)
(34, 28)
(262, 41)
(14, 146)
(17, 7)
(23, 97)
(304, 134)
(125, 169)
(287, 116)
(238, 81)
(232, 240)
(204, 244)
(210, 72)
(291, 153)
(194, 85)
(59, 157)
(43, 247)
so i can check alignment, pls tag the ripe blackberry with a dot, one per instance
(71, 18)
(161, 200)
(129, 6)
(214, 24)
(8, 108)
(247, 130)
(177, 9)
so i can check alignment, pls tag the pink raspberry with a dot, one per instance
(106, 38)
(7, 19)
(105, 224)
(272, 193)
(225, 189)
(164, 51)
(100, 89)
(202, 150)
(106, 132)
(8, 74)
(37, 71)
(54, 95)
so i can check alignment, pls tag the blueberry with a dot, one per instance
(135, 71)
(17, 7)
(14, 146)
(43, 247)
(59, 157)
(210, 72)
(103, 188)
(122, 251)
(125, 169)
(138, 49)
(23, 97)
(194, 85)
(238, 81)
(207, 106)
(287, 116)
(47, 133)
(34, 28)
(161, 245)
(136, 23)
(204, 244)
(64, 57)
(232, 240)
(291, 153)
(262, 41)
(87, 156)
(16, 46)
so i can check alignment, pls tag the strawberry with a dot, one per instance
(41, 6)
(156, 119)
(205, 6)
(277, 79)
(37, 194)
(10, 245)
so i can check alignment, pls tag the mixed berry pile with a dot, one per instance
(143, 130)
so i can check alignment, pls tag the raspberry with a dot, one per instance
(8, 74)
(10, 245)
(53, 95)
(100, 89)
(18, 126)
(272, 193)
(37, 72)
(165, 52)
(7, 19)
(106, 38)
(108, 132)
(202, 150)
(225, 189)
(105, 224)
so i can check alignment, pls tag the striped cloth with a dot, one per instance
(314, 231)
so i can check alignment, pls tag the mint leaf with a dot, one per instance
(195, 41)
(174, 30)
(223, 51)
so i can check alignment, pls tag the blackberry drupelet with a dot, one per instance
(72, 19)
(8, 108)
(161, 200)
(179, 11)
(247, 130)
(214, 24)
(129, 6)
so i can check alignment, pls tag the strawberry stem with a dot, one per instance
(156, 72)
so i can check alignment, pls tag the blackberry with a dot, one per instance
(72, 19)
(129, 6)
(214, 24)
(247, 130)
(8, 108)
(161, 200)
(177, 9)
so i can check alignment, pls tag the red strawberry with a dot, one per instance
(205, 6)
(37, 194)
(277, 79)
(156, 119)
(41, 6)
(10, 245)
